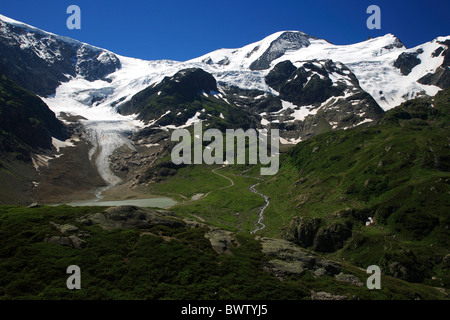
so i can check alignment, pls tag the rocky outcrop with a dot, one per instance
(69, 239)
(65, 228)
(280, 74)
(288, 259)
(441, 76)
(308, 232)
(131, 217)
(331, 238)
(326, 296)
(26, 117)
(303, 230)
(407, 61)
(221, 241)
(282, 268)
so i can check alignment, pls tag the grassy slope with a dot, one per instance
(159, 263)
(396, 172)
(233, 208)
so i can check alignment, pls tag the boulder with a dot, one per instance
(320, 272)
(221, 240)
(65, 228)
(77, 243)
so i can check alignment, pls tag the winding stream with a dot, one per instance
(259, 225)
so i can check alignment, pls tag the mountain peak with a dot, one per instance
(284, 41)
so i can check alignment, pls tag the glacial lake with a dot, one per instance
(150, 202)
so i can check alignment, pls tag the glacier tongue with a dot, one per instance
(105, 129)
(106, 137)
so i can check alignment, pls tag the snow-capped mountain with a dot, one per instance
(81, 76)
(372, 61)
(44, 60)
(289, 80)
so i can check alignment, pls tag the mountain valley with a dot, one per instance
(363, 179)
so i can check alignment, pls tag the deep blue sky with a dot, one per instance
(181, 30)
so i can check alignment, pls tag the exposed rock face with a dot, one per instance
(330, 267)
(129, 217)
(311, 83)
(27, 117)
(407, 61)
(280, 74)
(70, 239)
(441, 76)
(286, 41)
(221, 240)
(303, 231)
(308, 232)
